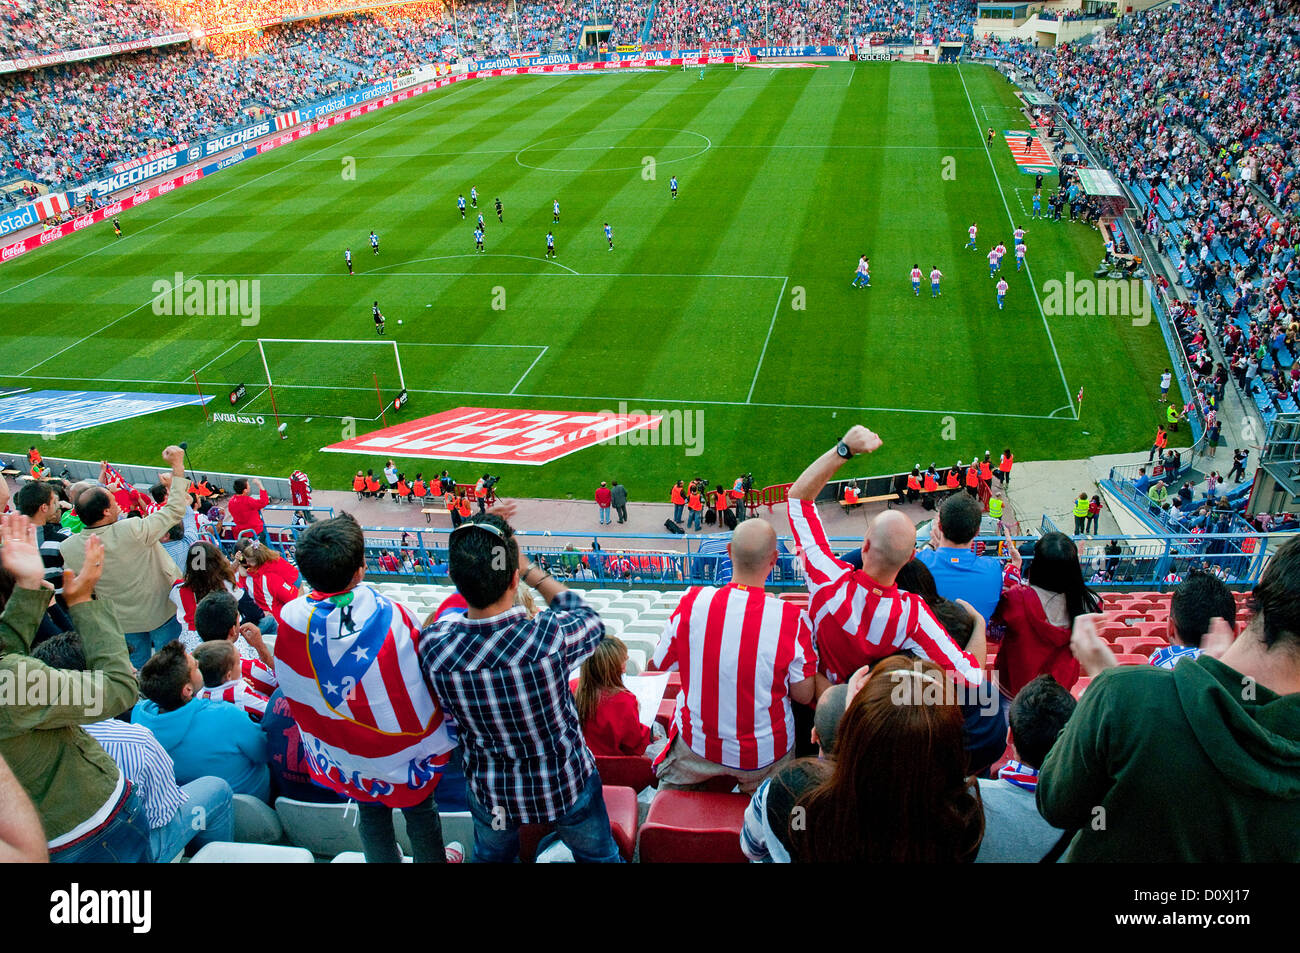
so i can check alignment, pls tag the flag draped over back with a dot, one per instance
(371, 727)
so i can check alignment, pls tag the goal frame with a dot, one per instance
(270, 382)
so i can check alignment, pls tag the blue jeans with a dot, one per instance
(604, 515)
(677, 512)
(208, 815)
(143, 645)
(584, 828)
(695, 518)
(267, 624)
(124, 840)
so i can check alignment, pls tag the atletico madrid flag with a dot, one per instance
(1079, 398)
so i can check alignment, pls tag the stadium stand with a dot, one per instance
(1233, 238)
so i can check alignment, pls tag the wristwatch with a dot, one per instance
(843, 450)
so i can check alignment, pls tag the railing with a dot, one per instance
(1144, 563)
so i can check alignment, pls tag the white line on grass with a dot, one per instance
(416, 261)
(235, 188)
(83, 340)
(587, 397)
(1011, 219)
(530, 369)
(220, 356)
(779, 298)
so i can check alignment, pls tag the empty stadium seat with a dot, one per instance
(357, 857)
(1078, 688)
(1126, 658)
(627, 771)
(223, 852)
(255, 822)
(1138, 645)
(326, 830)
(694, 827)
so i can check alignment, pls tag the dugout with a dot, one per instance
(1101, 186)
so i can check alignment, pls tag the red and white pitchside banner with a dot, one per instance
(487, 435)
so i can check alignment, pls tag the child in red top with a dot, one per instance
(272, 581)
(611, 722)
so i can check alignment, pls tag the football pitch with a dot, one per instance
(732, 300)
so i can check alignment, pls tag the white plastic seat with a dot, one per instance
(223, 852)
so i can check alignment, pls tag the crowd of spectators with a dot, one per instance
(889, 664)
(1209, 146)
(29, 27)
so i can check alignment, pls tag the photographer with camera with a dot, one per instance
(739, 490)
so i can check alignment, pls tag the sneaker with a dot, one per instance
(455, 852)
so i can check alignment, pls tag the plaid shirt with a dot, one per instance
(505, 681)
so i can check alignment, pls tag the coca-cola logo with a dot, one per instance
(52, 234)
(114, 209)
(584, 66)
(13, 251)
(165, 188)
(83, 221)
(191, 176)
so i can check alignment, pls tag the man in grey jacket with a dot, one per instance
(618, 495)
(138, 572)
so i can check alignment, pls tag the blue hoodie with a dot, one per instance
(210, 738)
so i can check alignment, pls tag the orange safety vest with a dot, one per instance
(986, 470)
(930, 483)
(695, 502)
(972, 476)
(1005, 463)
(678, 499)
(451, 501)
(419, 489)
(480, 492)
(403, 489)
(720, 501)
(359, 484)
(913, 482)
(851, 495)
(1162, 438)
(372, 484)
(951, 480)
(464, 507)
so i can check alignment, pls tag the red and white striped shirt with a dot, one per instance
(856, 621)
(258, 675)
(738, 650)
(238, 692)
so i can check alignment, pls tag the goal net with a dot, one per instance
(299, 377)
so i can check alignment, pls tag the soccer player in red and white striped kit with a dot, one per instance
(743, 655)
(859, 616)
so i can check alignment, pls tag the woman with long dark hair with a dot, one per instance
(899, 791)
(206, 570)
(1038, 613)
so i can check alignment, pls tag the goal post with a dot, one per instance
(308, 377)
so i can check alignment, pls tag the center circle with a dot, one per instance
(599, 142)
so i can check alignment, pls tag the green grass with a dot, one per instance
(787, 176)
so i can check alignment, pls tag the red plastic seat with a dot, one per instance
(631, 771)
(1131, 659)
(1137, 645)
(1152, 630)
(1124, 616)
(694, 827)
(620, 805)
(1079, 686)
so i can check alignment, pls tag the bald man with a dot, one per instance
(743, 655)
(860, 616)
